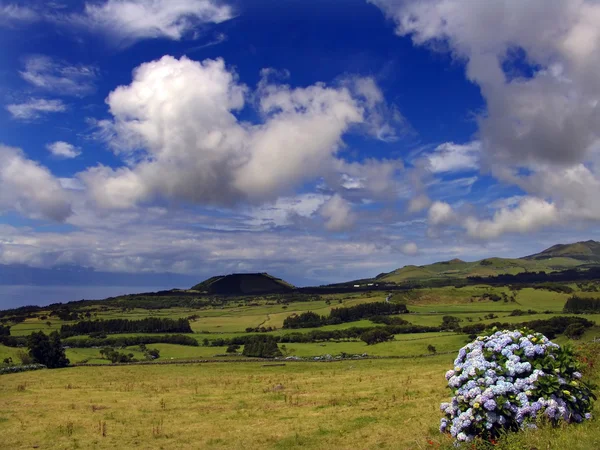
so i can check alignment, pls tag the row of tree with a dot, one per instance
(548, 327)
(336, 316)
(114, 326)
(4, 330)
(579, 305)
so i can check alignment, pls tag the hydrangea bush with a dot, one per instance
(24, 368)
(512, 380)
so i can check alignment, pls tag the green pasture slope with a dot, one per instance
(555, 258)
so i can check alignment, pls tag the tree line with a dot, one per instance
(114, 326)
(336, 316)
(579, 305)
(120, 341)
(548, 327)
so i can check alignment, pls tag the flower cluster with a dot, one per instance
(511, 380)
(17, 369)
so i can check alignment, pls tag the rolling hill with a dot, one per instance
(581, 251)
(243, 284)
(557, 257)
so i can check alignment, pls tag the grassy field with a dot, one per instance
(347, 405)
(350, 404)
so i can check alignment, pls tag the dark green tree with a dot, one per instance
(376, 335)
(47, 350)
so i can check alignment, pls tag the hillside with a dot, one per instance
(243, 284)
(557, 257)
(581, 251)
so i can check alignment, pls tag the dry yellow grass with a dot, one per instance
(343, 405)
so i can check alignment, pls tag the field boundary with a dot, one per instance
(255, 360)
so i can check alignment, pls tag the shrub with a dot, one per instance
(261, 347)
(233, 348)
(376, 335)
(510, 380)
(574, 331)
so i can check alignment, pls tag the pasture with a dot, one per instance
(363, 404)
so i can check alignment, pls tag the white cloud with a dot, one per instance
(338, 214)
(72, 184)
(419, 203)
(128, 21)
(180, 113)
(410, 248)
(531, 214)
(534, 63)
(63, 149)
(58, 77)
(29, 188)
(34, 108)
(370, 177)
(13, 14)
(441, 213)
(451, 157)
(283, 211)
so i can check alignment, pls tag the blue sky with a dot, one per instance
(318, 140)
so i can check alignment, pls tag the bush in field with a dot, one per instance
(47, 350)
(511, 380)
(117, 357)
(376, 335)
(261, 347)
(233, 348)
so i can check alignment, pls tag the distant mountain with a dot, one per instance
(557, 257)
(243, 283)
(20, 274)
(582, 251)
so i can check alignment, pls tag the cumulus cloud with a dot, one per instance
(176, 126)
(35, 108)
(59, 77)
(128, 21)
(30, 188)
(441, 213)
(337, 213)
(529, 215)
(63, 149)
(534, 63)
(451, 157)
(410, 248)
(284, 210)
(551, 115)
(419, 203)
(370, 178)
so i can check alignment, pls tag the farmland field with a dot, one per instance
(348, 404)
(387, 398)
